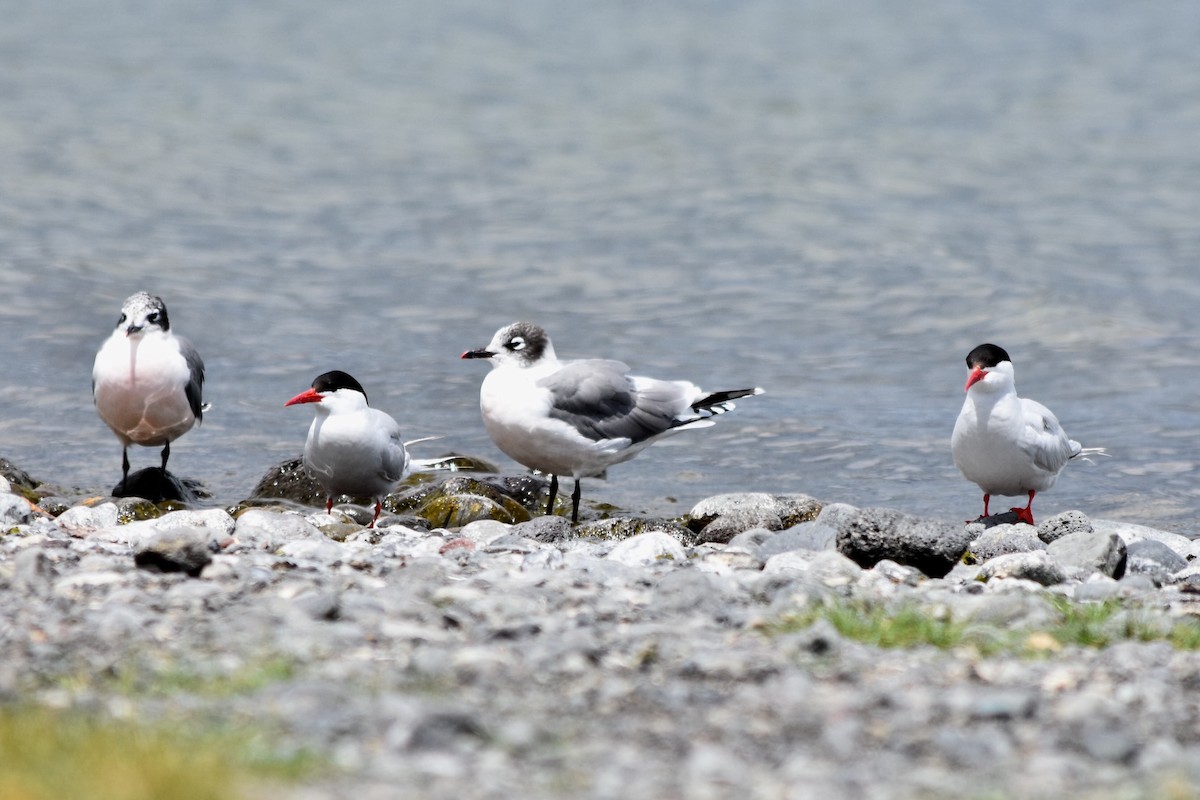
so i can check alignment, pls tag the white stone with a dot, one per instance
(1135, 533)
(82, 520)
(14, 510)
(647, 548)
(484, 531)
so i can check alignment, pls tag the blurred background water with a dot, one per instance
(833, 200)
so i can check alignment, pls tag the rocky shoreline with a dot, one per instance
(469, 648)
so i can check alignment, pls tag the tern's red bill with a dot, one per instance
(307, 396)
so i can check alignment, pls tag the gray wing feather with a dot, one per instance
(394, 464)
(598, 399)
(1050, 448)
(195, 385)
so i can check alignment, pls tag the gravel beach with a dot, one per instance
(704, 657)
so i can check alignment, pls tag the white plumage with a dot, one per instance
(580, 417)
(1005, 444)
(351, 449)
(146, 381)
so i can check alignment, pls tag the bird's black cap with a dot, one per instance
(986, 355)
(336, 379)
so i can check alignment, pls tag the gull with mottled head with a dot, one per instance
(146, 381)
(580, 417)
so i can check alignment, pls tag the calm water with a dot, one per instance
(833, 200)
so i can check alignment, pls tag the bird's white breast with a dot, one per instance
(993, 444)
(140, 388)
(516, 413)
(355, 452)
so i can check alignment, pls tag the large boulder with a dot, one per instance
(872, 534)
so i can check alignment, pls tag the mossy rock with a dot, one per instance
(461, 508)
(457, 500)
(137, 509)
(620, 528)
(19, 480)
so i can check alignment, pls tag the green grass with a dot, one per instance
(50, 754)
(1094, 625)
(164, 678)
(61, 755)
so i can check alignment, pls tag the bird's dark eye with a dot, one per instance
(152, 318)
(121, 321)
(516, 343)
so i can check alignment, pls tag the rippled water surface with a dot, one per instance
(833, 200)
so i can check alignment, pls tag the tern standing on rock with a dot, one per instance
(1006, 444)
(352, 449)
(146, 381)
(580, 417)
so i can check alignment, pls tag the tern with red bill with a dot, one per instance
(1006, 444)
(351, 449)
(146, 381)
(580, 417)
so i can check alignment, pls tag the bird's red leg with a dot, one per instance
(378, 508)
(982, 516)
(1026, 514)
(329, 506)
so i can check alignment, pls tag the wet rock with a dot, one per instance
(460, 500)
(185, 549)
(289, 480)
(873, 534)
(1001, 540)
(1090, 552)
(720, 518)
(1058, 526)
(1036, 566)
(620, 528)
(18, 480)
(156, 485)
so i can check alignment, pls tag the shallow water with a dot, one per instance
(835, 201)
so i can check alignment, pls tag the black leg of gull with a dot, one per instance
(124, 464)
(575, 503)
(553, 494)
(166, 454)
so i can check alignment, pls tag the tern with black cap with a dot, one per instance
(1005, 444)
(351, 449)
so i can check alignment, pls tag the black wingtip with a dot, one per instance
(715, 403)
